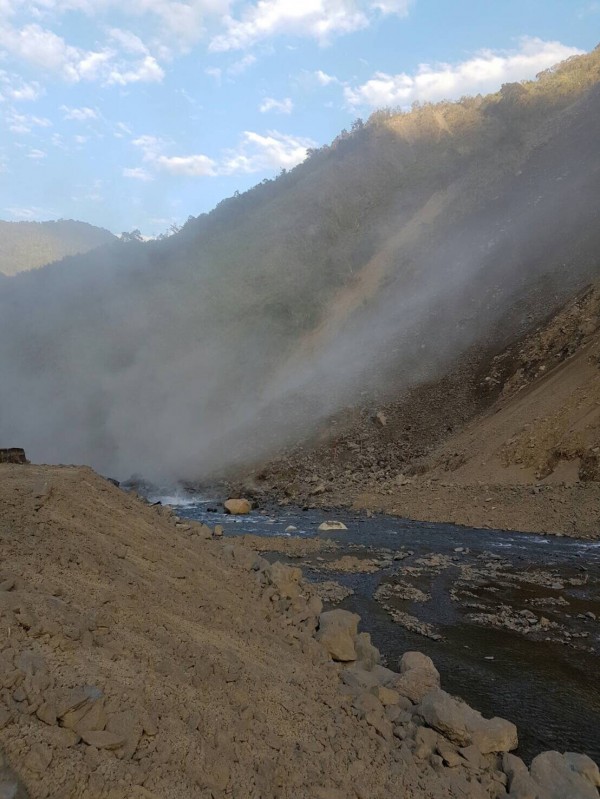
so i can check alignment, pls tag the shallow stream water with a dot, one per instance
(549, 688)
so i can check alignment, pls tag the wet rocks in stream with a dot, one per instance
(492, 591)
(332, 592)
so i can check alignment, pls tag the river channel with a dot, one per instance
(511, 620)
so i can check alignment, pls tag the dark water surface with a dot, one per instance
(550, 690)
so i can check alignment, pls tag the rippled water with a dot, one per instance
(551, 691)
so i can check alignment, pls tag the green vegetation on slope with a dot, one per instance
(29, 245)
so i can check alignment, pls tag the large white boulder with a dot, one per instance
(464, 726)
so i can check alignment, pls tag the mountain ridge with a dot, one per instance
(32, 245)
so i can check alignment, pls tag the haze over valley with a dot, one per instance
(370, 268)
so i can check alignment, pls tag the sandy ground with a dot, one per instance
(570, 510)
(140, 660)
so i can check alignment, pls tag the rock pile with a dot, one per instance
(410, 710)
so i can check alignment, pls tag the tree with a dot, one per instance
(134, 235)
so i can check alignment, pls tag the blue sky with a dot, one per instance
(137, 113)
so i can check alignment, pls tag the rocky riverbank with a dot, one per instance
(505, 441)
(143, 656)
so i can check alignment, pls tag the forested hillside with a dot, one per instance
(368, 269)
(28, 245)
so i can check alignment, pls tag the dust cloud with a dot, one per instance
(185, 357)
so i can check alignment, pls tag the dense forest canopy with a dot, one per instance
(29, 245)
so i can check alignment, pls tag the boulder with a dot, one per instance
(464, 726)
(369, 708)
(357, 677)
(417, 660)
(520, 783)
(367, 654)
(425, 743)
(387, 696)
(418, 676)
(560, 776)
(327, 526)
(237, 507)
(337, 632)
(367, 703)
(203, 530)
(585, 766)
(449, 753)
(286, 579)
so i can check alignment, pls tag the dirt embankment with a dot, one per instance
(143, 658)
(514, 445)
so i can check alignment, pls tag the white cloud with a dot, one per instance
(35, 212)
(13, 87)
(128, 41)
(483, 73)
(187, 165)
(255, 153)
(285, 106)
(137, 173)
(317, 19)
(234, 69)
(148, 70)
(82, 114)
(152, 149)
(57, 141)
(25, 123)
(176, 22)
(324, 79)
(151, 146)
(214, 72)
(42, 48)
(27, 91)
(241, 65)
(36, 155)
(121, 130)
(258, 153)
(399, 7)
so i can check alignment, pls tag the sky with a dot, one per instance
(135, 114)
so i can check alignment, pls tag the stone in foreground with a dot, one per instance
(464, 726)
(418, 676)
(569, 775)
(337, 632)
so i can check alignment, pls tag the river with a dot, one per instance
(544, 680)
